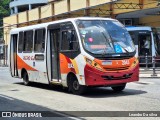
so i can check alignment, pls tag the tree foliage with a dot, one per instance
(4, 11)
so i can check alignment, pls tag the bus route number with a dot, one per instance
(125, 62)
(70, 65)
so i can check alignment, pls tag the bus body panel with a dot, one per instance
(94, 77)
(120, 72)
(89, 75)
(36, 69)
(75, 66)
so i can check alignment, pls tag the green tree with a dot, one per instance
(4, 11)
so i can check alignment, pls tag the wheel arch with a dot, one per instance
(23, 71)
(69, 76)
(73, 84)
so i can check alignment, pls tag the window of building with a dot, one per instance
(39, 43)
(69, 40)
(127, 22)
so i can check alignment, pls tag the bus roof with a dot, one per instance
(43, 25)
(133, 28)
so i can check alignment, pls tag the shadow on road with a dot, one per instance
(43, 86)
(96, 92)
(102, 92)
(18, 108)
(57, 88)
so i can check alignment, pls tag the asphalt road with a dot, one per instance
(138, 96)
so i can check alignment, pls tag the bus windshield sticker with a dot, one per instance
(118, 49)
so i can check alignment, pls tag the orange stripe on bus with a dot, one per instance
(21, 64)
(75, 65)
(64, 65)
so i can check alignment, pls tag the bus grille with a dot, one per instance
(125, 76)
(116, 69)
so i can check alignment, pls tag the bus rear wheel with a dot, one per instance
(75, 87)
(119, 88)
(25, 79)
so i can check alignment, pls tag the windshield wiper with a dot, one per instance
(107, 40)
(119, 45)
(104, 51)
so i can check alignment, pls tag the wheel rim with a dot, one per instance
(76, 85)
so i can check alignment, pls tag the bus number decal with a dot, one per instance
(125, 62)
(70, 65)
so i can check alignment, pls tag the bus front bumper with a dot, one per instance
(94, 77)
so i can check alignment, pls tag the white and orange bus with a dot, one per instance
(74, 53)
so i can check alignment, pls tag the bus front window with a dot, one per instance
(105, 37)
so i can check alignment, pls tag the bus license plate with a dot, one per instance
(106, 62)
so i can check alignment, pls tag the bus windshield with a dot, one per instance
(105, 37)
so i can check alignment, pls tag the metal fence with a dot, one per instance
(150, 63)
(4, 56)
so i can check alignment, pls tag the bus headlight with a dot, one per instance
(134, 64)
(94, 64)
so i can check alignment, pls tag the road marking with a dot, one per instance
(74, 118)
(65, 115)
(9, 98)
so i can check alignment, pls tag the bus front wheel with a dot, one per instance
(74, 86)
(25, 78)
(119, 88)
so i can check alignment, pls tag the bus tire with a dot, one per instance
(74, 85)
(119, 88)
(25, 79)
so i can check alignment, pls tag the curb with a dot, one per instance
(149, 76)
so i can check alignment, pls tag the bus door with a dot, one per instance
(13, 55)
(53, 65)
(145, 46)
(69, 49)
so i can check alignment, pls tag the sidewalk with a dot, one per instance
(2, 63)
(149, 73)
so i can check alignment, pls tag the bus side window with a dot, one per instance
(74, 41)
(69, 40)
(28, 41)
(39, 43)
(65, 43)
(20, 43)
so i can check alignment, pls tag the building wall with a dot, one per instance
(34, 12)
(16, 5)
(26, 2)
(153, 21)
(75, 7)
(11, 20)
(58, 7)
